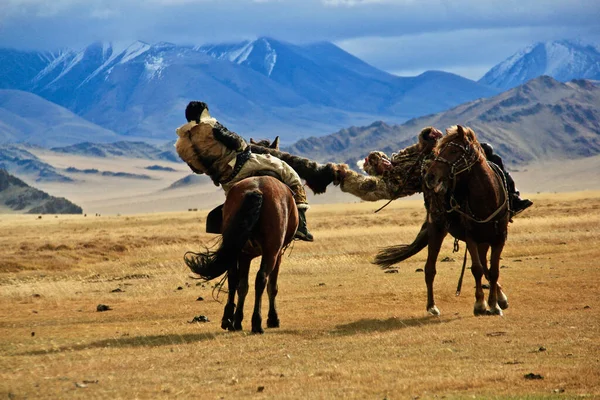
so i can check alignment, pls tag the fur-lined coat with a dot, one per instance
(403, 179)
(209, 148)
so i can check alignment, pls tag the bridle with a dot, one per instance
(468, 158)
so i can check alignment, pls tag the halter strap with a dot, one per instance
(464, 163)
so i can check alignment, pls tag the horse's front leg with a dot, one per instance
(232, 283)
(242, 290)
(266, 266)
(272, 289)
(497, 298)
(480, 307)
(435, 239)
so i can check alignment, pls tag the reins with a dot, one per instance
(468, 164)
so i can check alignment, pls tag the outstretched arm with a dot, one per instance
(230, 139)
(368, 188)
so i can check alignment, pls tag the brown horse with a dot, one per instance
(467, 197)
(259, 218)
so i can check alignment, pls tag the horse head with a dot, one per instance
(454, 154)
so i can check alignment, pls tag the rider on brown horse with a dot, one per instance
(210, 148)
(400, 175)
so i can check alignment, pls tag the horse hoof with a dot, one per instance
(433, 311)
(236, 326)
(273, 323)
(258, 330)
(494, 311)
(480, 310)
(227, 324)
(503, 304)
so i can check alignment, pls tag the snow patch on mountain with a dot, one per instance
(155, 66)
(62, 58)
(244, 53)
(136, 49)
(563, 60)
(270, 58)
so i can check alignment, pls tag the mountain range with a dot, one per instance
(543, 119)
(103, 100)
(259, 87)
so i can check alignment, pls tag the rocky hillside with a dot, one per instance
(16, 196)
(543, 119)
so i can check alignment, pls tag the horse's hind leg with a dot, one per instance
(272, 289)
(483, 250)
(480, 307)
(494, 299)
(242, 290)
(266, 266)
(232, 283)
(502, 299)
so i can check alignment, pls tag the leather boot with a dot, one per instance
(302, 233)
(519, 204)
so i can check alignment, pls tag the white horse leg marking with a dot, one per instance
(502, 299)
(495, 311)
(433, 310)
(480, 307)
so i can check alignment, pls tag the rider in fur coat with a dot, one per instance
(392, 178)
(210, 148)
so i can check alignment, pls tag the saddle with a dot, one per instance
(214, 219)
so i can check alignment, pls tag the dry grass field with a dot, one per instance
(348, 330)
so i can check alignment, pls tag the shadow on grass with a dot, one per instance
(358, 327)
(151, 341)
(390, 324)
(136, 341)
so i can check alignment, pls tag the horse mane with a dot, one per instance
(452, 132)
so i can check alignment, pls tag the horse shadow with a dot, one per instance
(134, 341)
(353, 328)
(385, 325)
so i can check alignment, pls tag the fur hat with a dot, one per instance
(372, 161)
(428, 137)
(194, 110)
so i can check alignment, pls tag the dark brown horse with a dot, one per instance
(466, 197)
(259, 218)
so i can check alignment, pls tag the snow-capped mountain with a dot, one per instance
(563, 60)
(258, 88)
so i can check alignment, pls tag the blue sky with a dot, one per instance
(405, 37)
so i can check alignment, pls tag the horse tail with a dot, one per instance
(212, 264)
(389, 256)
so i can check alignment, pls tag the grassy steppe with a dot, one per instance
(348, 330)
